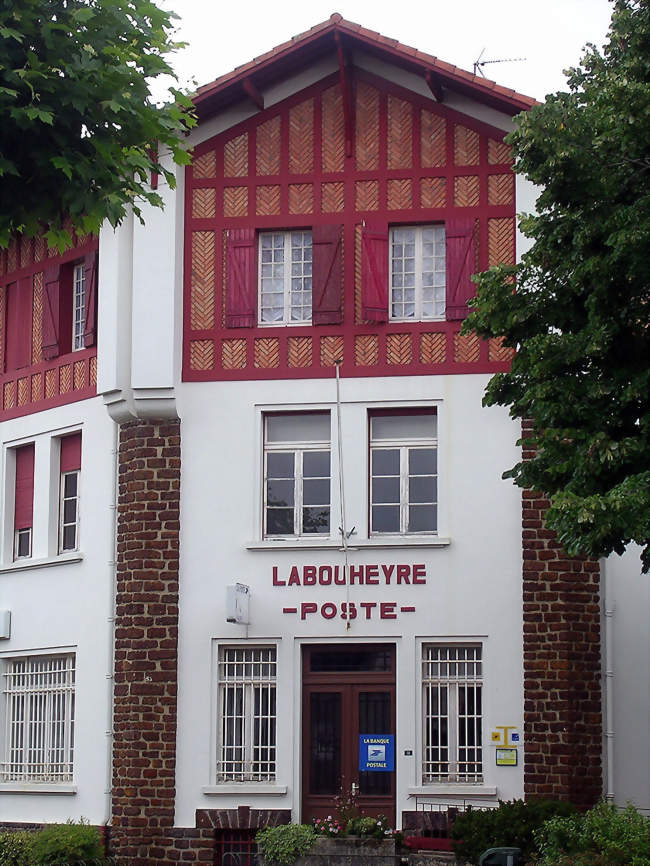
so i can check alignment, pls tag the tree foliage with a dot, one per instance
(80, 132)
(580, 316)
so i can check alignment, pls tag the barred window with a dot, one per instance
(247, 714)
(39, 694)
(452, 739)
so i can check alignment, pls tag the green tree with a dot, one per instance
(80, 133)
(580, 316)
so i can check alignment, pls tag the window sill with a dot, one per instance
(37, 788)
(245, 788)
(24, 564)
(375, 542)
(454, 789)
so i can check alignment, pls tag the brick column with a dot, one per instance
(562, 664)
(146, 639)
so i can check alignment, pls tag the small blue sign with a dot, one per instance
(377, 753)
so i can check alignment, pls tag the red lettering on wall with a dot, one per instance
(388, 570)
(387, 610)
(276, 581)
(420, 573)
(294, 577)
(403, 572)
(307, 607)
(368, 606)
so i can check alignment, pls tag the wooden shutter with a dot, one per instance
(326, 304)
(374, 272)
(18, 345)
(460, 266)
(71, 453)
(24, 505)
(51, 313)
(90, 313)
(241, 278)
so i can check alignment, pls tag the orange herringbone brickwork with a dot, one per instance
(202, 284)
(497, 351)
(501, 241)
(367, 127)
(235, 156)
(267, 147)
(399, 133)
(267, 353)
(50, 383)
(357, 274)
(9, 395)
(267, 200)
(36, 387)
(399, 349)
(233, 354)
(12, 255)
(299, 351)
(501, 189)
(433, 139)
(433, 192)
(39, 248)
(65, 378)
(26, 252)
(235, 201)
(333, 129)
(400, 194)
(366, 350)
(498, 152)
(301, 198)
(467, 191)
(93, 370)
(467, 348)
(37, 319)
(367, 194)
(466, 146)
(201, 354)
(23, 391)
(331, 350)
(433, 348)
(204, 166)
(79, 375)
(301, 138)
(332, 197)
(204, 203)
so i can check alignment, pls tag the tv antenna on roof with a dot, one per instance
(479, 64)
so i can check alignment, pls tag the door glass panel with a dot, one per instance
(352, 660)
(325, 740)
(374, 718)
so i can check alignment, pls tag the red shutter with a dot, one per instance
(241, 278)
(18, 351)
(326, 275)
(71, 453)
(374, 272)
(51, 313)
(24, 507)
(461, 264)
(90, 315)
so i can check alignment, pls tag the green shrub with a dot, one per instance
(70, 843)
(282, 845)
(604, 834)
(15, 849)
(511, 824)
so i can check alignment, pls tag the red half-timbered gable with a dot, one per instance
(38, 367)
(346, 168)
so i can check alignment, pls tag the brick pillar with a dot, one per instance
(146, 638)
(562, 664)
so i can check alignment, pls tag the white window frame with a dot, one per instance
(419, 315)
(18, 533)
(287, 275)
(78, 306)
(468, 676)
(404, 446)
(38, 706)
(298, 448)
(240, 755)
(62, 500)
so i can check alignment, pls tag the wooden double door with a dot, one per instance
(348, 690)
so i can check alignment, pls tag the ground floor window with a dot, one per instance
(247, 714)
(38, 693)
(452, 714)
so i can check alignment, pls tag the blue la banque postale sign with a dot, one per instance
(377, 753)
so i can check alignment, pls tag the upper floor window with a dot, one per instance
(69, 493)
(24, 501)
(417, 272)
(297, 474)
(285, 277)
(404, 473)
(78, 306)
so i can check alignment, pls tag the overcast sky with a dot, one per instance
(549, 34)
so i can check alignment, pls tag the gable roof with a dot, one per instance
(336, 32)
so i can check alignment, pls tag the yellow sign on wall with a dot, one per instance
(505, 735)
(506, 757)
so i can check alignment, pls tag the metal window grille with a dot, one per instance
(69, 511)
(417, 272)
(39, 695)
(78, 307)
(452, 739)
(247, 714)
(285, 277)
(236, 848)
